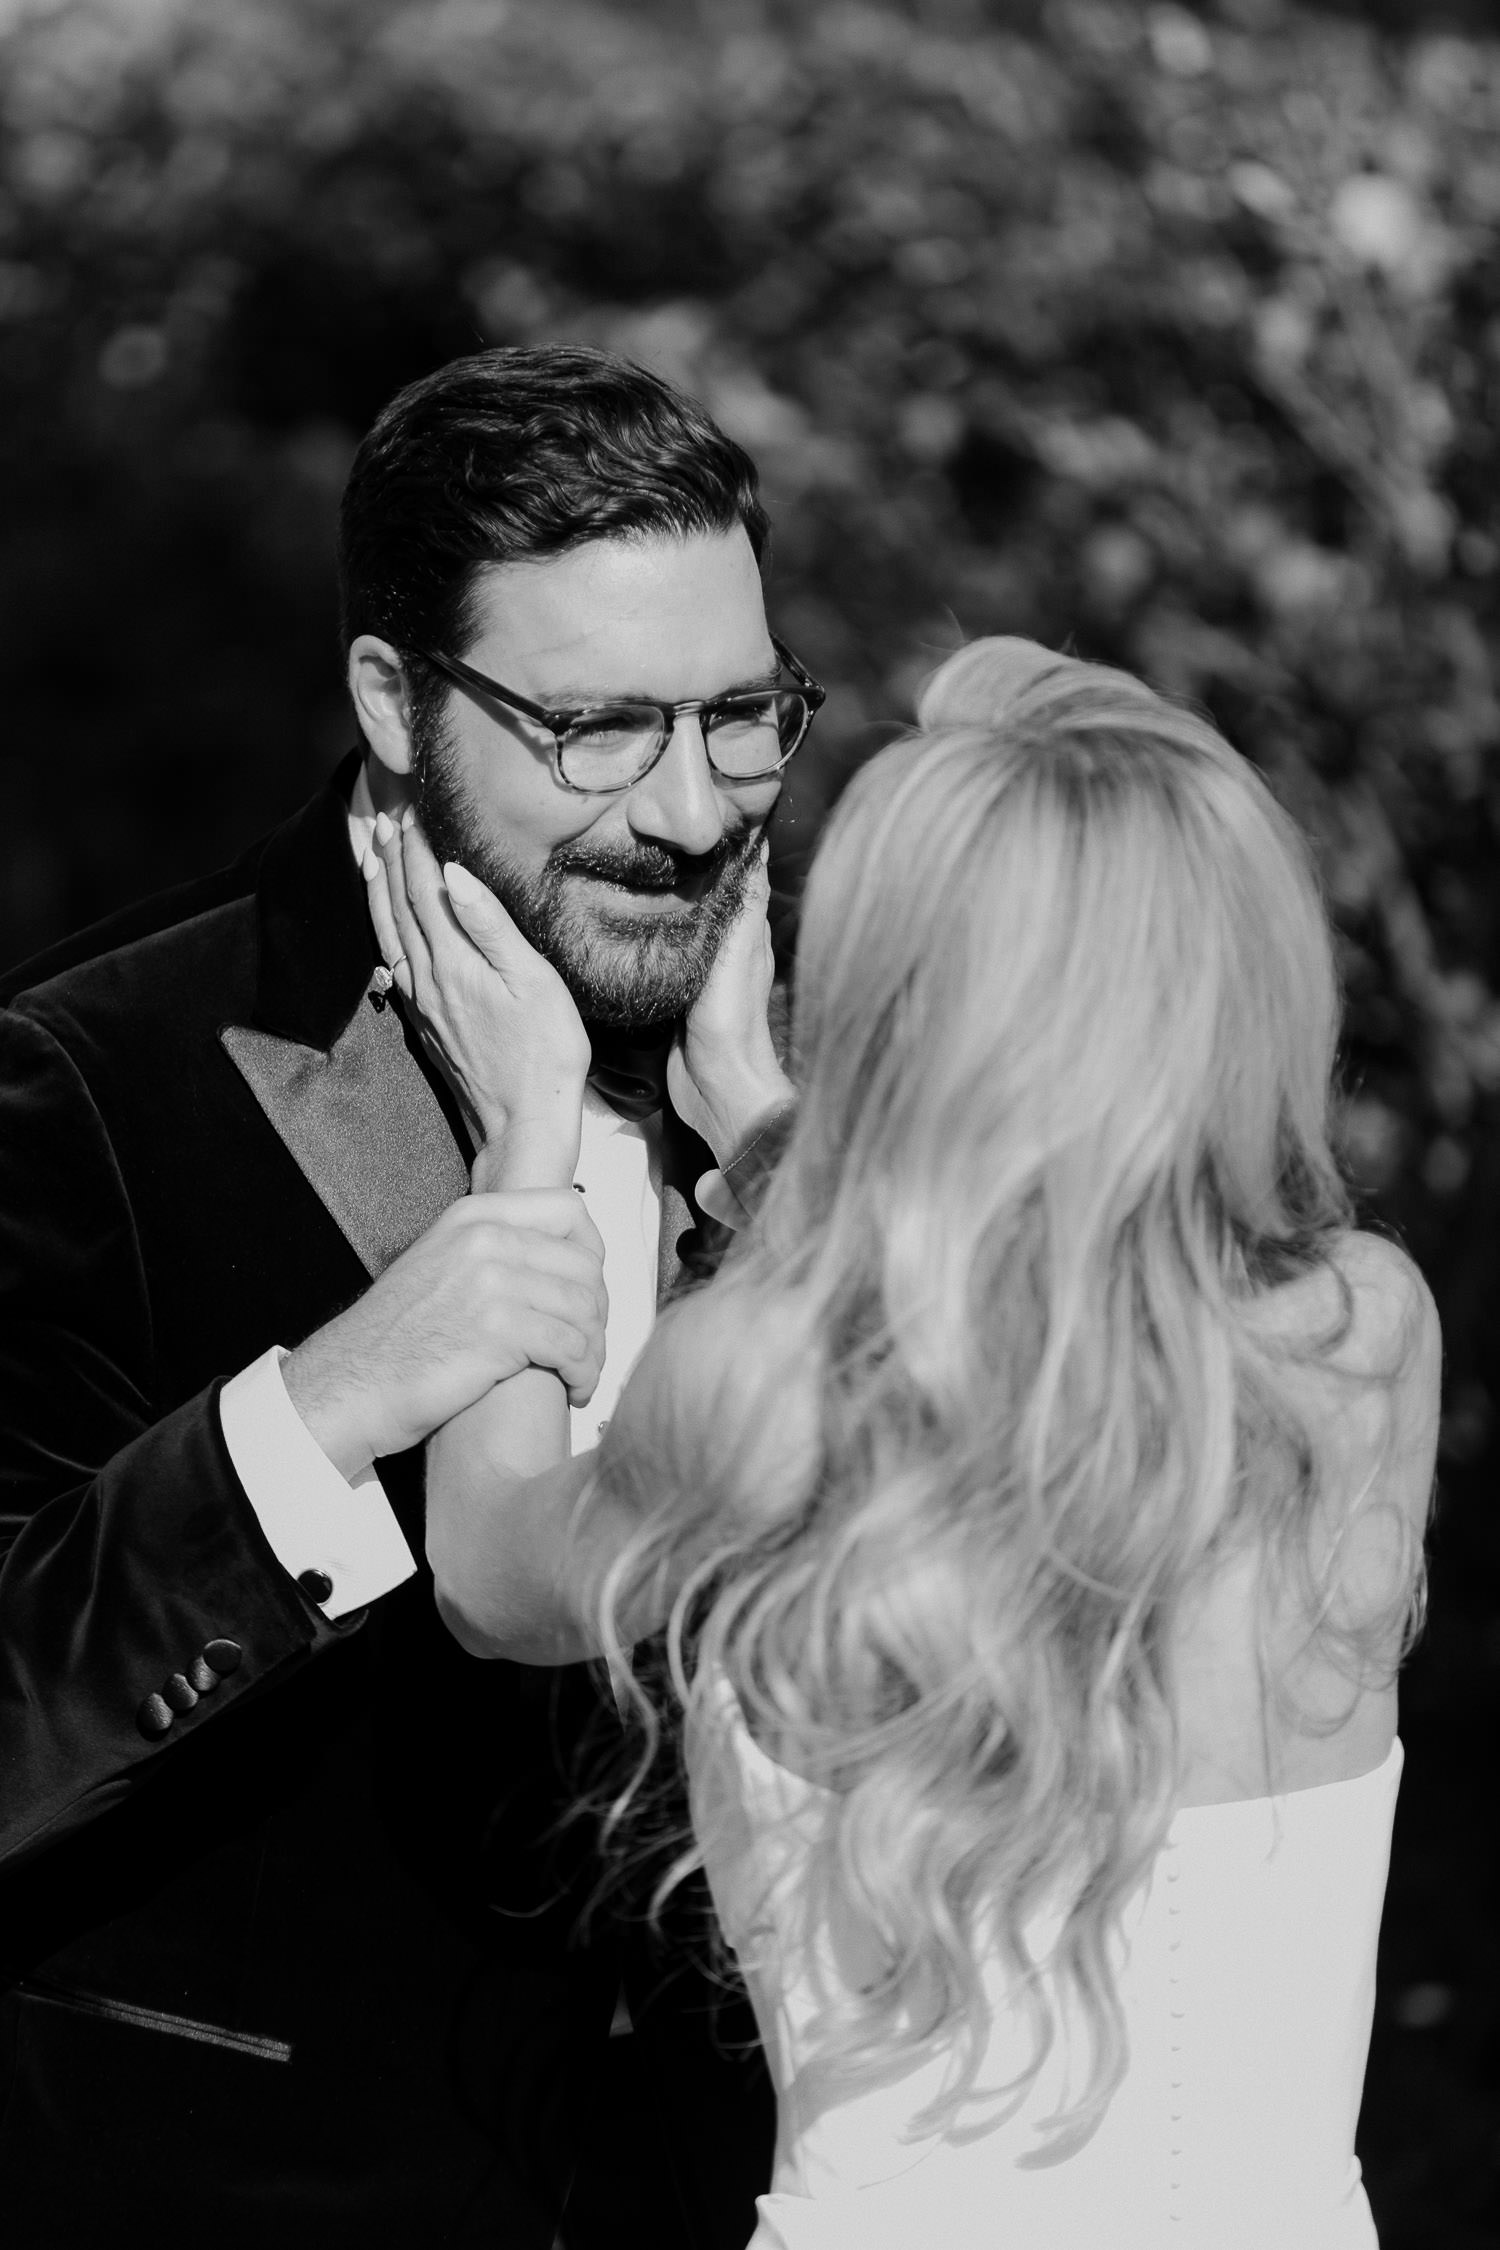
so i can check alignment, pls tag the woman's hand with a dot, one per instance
(723, 1074)
(499, 1018)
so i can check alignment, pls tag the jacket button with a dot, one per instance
(154, 1717)
(179, 1692)
(202, 1675)
(316, 1584)
(223, 1657)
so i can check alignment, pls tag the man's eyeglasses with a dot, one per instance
(611, 746)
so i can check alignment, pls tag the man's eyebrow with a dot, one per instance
(587, 698)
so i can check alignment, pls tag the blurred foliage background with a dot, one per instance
(1172, 334)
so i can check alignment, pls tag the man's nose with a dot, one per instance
(677, 802)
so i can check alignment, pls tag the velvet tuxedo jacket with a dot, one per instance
(306, 1964)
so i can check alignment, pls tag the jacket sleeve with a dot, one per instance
(139, 1595)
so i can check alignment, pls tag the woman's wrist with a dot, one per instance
(737, 1113)
(527, 1153)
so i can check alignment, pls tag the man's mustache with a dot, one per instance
(654, 867)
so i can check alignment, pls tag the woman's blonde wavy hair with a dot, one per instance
(933, 1464)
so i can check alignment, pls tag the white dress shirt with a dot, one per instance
(312, 1517)
(317, 1521)
(619, 1173)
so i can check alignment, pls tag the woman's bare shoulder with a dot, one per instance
(1365, 1312)
(1356, 1352)
(1363, 1362)
(1370, 1380)
(1393, 1335)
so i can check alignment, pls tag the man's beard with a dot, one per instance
(624, 969)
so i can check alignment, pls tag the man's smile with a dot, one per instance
(650, 883)
(649, 901)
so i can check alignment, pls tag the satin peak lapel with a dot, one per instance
(365, 1128)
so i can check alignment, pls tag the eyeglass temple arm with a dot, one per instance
(553, 721)
(816, 692)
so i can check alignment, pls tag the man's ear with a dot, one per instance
(377, 689)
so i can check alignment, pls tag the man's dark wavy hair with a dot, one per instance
(513, 454)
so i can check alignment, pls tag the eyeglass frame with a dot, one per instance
(559, 719)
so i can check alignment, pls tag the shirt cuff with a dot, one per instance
(340, 1541)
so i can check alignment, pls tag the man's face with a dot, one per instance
(629, 895)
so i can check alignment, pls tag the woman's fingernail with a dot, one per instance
(461, 884)
(409, 817)
(370, 867)
(383, 829)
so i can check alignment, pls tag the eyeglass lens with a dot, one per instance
(749, 736)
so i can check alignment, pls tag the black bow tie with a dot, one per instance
(629, 1069)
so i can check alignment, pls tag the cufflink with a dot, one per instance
(316, 1584)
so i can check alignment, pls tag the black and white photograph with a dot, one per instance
(750, 1124)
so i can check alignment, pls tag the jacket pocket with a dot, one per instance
(259, 2046)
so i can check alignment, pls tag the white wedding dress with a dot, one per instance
(1247, 1981)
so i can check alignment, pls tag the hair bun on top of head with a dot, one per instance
(979, 684)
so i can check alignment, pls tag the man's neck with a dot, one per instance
(630, 1067)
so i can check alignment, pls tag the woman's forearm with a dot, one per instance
(501, 1489)
(518, 1556)
(502, 1495)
